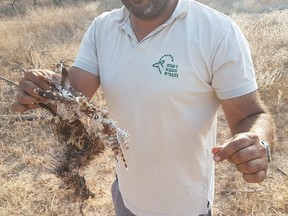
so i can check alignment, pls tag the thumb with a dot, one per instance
(215, 150)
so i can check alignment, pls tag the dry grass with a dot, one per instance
(54, 34)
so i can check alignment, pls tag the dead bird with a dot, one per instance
(82, 130)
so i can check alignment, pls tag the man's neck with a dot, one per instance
(142, 27)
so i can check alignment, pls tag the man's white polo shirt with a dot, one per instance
(165, 90)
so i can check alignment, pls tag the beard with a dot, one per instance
(145, 9)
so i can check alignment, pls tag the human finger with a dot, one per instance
(40, 75)
(234, 145)
(248, 153)
(253, 166)
(29, 88)
(216, 149)
(26, 99)
(18, 107)
(255, 177)
(21, 108)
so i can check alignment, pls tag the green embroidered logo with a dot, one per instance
(166, 66)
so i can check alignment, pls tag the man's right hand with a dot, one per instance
(27, 98)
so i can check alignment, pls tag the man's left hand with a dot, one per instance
(246, 151)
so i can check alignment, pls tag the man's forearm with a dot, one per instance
(261, 124)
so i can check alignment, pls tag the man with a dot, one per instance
(166, 66)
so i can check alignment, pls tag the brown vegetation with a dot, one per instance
(41, 36)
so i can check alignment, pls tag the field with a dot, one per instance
(39, 36)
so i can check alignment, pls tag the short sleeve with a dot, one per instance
(233, 70)
(87, 58)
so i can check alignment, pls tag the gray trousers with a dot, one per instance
(121, 210)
